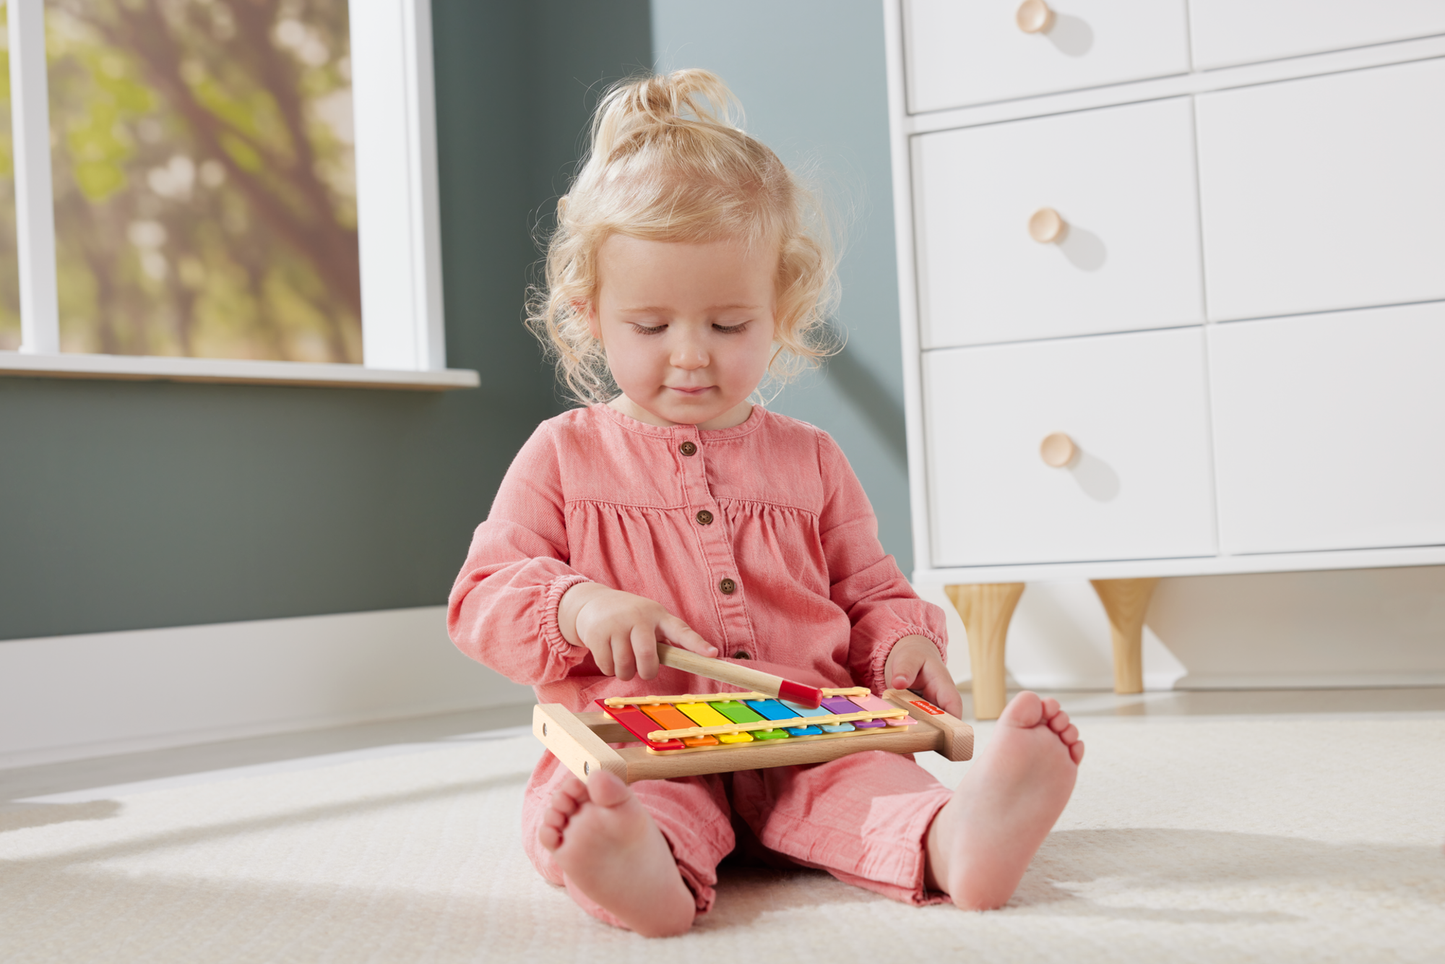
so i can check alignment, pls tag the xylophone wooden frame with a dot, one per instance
(580, 741)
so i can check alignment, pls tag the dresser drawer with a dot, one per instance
(1121, 178)
(1139, 487)
(1225, 32)
(1324, 193)
(974, 51)
(1330, 430)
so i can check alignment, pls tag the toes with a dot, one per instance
(1070, 736)
(606, 790)
(1076, 750)
(562, 803)
(1025, 710)
(555, 819)
(1059, 722)
(549, 838)
(1051, 707)
(573, 787)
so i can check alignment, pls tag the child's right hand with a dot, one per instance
(621, 630)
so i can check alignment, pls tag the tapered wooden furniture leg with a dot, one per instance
(986, 610)
(1126, 601)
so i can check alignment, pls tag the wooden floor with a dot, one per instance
(104, 777)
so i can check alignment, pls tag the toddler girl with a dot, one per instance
(685, 269)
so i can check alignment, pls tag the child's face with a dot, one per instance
(688, 328)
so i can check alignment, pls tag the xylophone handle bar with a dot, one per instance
(955, 737)
(573, 742)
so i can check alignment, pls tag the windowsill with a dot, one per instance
(233, 370)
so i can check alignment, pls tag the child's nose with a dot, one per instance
(689, 354)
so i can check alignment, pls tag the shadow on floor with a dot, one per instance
(73, 775)
(23, 816)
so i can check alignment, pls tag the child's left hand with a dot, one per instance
(914, 664)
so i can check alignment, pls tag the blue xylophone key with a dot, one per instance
(773, 710)
(827, 727)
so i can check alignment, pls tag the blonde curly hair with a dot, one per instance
(668, 162)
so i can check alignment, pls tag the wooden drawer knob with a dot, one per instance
(1058, 450)
(1045, 226)
(1034, 16)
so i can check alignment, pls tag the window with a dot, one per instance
(229, 189)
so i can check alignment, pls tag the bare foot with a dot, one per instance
(982, 840)
(610, 850)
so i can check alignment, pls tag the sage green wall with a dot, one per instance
(811, 78)
(127, 505)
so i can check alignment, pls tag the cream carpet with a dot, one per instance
(1187, 840)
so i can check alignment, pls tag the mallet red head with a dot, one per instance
(807, 696)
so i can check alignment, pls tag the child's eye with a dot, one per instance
(649, 329)
(730, 329)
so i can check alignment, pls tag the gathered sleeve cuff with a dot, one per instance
(876, 681)
(550, 630)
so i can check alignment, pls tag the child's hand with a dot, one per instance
(621, 630)
(914, 664)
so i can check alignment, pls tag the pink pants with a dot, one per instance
(863, 818)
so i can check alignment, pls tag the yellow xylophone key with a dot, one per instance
(702, 714)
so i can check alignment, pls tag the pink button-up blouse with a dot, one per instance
(758, 536)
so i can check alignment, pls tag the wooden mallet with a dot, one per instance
(784, 689)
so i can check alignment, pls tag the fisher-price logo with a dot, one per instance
(927, 707)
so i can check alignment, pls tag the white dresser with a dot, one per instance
(1172, 279)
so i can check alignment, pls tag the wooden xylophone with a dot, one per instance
(687, 735)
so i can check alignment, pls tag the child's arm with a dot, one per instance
(520, 607)
(503, 606)
(894, 632)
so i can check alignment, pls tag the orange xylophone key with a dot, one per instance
(669, 717)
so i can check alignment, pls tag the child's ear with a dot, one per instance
(588, 310)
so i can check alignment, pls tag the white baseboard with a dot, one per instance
(1332, 681)
(1153, 683)
(72, 697)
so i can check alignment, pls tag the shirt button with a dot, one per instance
(741, 655)
(728, 587)
(704, 518)
(687, 448)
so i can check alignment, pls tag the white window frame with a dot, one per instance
(398, 215)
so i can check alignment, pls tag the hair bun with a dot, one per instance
(641, 109)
